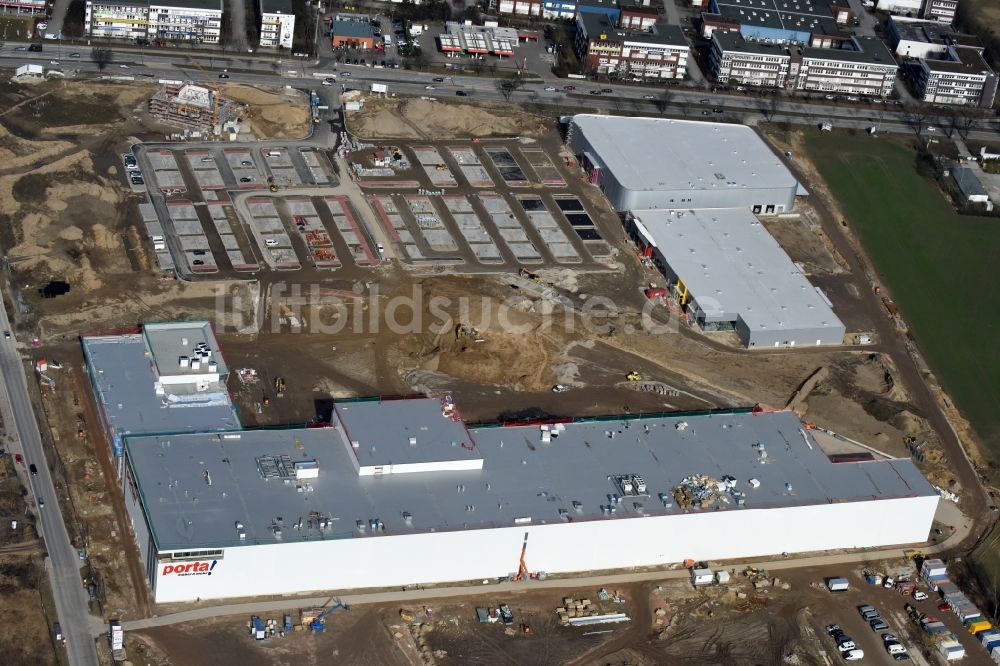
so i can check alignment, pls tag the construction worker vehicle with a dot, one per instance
(634, 376)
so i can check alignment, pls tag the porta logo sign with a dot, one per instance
(189, 569)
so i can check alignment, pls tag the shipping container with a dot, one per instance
(978, 625)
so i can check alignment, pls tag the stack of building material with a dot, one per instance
(575, 608)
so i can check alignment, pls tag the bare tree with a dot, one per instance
(507, 87)
(768, 106)
(101, 57)
(965, 120)
(916, 116)
(662, 101)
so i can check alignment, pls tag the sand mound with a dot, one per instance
(270, 115)
(407, 118)
(71, 234)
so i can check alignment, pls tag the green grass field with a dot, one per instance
(938, 264)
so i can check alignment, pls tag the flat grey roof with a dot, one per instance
(733, 266)
(125, 381)
(380, 431)
(522, 478)
(596, 24)
(871, 50)
(168, 341)
(968, 182)
(732, 41)
(350, 28)
(667, 154)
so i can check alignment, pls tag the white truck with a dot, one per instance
(837, 584)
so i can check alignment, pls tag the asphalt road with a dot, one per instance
(691, 102)
(62, 564)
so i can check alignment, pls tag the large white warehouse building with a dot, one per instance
(646, 163)
(401, 492)
(729, 273)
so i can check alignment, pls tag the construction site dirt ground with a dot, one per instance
(65, 213)
(26, 610)
(759, 620)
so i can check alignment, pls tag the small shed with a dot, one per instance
(701, 577)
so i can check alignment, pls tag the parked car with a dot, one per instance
(832, 629)
(856, 654)
(919, 595)
(878, 624)
(246, 180)
(867, 612)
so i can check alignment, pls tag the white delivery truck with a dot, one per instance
(837, 584)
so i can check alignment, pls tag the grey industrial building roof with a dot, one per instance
(169, 341)
(731, 264)
(929, 32)
(381, 430)
(812, 16)
(125, 379)
(654, 154)
(196, 487)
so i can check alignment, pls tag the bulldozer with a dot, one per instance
(634, 376)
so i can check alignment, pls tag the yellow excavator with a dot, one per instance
(634, 376)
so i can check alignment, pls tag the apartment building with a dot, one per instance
(862, 66)
(736, 61)
(941, 10)
(277, 23)
(961, 77)
(607, 50)
(181, 20)
(116, 19)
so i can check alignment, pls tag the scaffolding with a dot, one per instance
(194, 107)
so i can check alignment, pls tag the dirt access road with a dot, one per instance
(976, 504)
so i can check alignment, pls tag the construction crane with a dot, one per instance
(211, 86)
(522, 569)
(318, 622)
